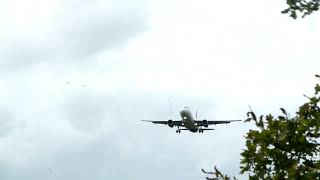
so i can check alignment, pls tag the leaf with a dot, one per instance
(284, 148)
(293, 15)
(290, 2)
(285, 11)
(248, 120)
(317, 88)
(283, 111)
(253, 116)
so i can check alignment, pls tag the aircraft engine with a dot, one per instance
(170, 123)
(205, 123)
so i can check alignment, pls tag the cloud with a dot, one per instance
(38, 31)
(83, 75)
(7, 122)
(86, 111)
(86, 132)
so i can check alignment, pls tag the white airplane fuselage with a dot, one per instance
(188, 120)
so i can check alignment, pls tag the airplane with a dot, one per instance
(189, 123)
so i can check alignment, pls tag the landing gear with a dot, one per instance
(178, 130)
(200, 130)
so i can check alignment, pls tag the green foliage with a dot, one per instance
(303, 7)
(283, 147)
(217, 175)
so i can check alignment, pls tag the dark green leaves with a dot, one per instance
(284, 147)
(217, 175)
(301, 7)
(317, 89)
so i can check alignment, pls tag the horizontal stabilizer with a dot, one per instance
(207, 129)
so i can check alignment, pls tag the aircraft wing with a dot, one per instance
(208, 122)
(170, 122)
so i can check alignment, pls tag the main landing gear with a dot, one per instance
(178, 130)
(200, 130)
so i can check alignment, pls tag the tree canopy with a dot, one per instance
(301, 7)
(283, 147)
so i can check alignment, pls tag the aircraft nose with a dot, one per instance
(183, 111)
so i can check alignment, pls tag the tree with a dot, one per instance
(217, 175)
(283, 147)
(304, 7)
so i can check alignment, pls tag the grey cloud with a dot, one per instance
(89, 28)
(151, 150)
(85, 111)
(74, 30)
(108, 140)
(8, 123)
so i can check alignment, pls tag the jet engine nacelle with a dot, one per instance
(170, 123)
(205, 123)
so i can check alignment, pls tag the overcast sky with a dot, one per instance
(76, 78)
